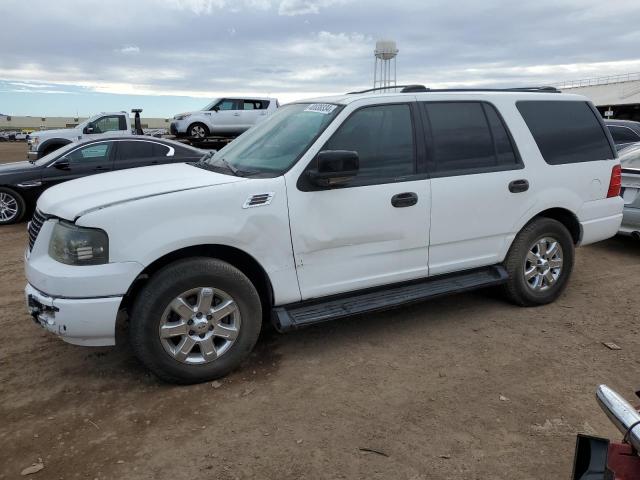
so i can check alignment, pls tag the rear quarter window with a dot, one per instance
(566, 131)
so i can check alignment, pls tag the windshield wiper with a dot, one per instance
(223, 161)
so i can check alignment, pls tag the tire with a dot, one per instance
(198, 131)
(12, 206)
(538, 269)
(193, 280)
(49, 149)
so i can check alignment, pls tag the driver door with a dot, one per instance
(375, 229)
(81, 162)
(227, 117)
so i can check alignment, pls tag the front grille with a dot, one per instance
(34, 227)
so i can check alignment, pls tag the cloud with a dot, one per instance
(130, 50)
(304, 7)
(298, 48)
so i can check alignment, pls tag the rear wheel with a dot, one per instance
(198, 131)
(12, 206)
(195, 320)
(539, 263)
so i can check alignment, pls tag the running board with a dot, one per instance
(298, 315)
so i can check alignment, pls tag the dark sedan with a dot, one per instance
(21, 183)
(624, 132)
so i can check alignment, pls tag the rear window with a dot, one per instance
(566, 132)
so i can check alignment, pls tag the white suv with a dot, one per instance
(332, 207)
(223, 117)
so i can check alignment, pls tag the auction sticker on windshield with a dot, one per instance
(324, 108)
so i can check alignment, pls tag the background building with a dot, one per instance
(616, 96)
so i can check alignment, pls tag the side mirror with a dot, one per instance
(335, 168)
(62, 164)
(216, 108)
(88, 129)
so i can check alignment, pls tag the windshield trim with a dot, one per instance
(294, 162)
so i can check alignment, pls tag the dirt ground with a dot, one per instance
(465, 387)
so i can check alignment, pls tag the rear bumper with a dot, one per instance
(630, 221)
(600, 219)
(79, 321)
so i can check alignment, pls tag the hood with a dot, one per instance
(72, 199)
(58, 132)
(16, 167)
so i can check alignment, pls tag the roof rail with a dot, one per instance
(422, 88)
(404, 89)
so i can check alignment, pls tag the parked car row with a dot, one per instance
(21, 183)
(329, 207)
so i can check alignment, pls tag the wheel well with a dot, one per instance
(50, 147)
(565, 217)
(239, 259)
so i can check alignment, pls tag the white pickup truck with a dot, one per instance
(46, 141)
(223, 117)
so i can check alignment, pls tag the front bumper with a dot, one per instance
(79, 321)
(178, 128)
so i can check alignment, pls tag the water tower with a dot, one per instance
(384, 72)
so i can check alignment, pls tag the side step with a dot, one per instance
(298, 315)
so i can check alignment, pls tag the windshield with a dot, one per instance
(55, 154)
(274, 145)
(210, 105)
(630, 156)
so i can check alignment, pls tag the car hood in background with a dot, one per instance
(16, 167)
(72, 199)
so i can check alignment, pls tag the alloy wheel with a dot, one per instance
(8, 207)
(200, 325)
(543, 264)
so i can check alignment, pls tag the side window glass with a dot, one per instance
(160, 150)
(383, 137)
(135, 150)
(460, 136)
(92, 153)
(250, 105)
(503, 145)
(226, 104)
(566, 131)
(623, 134)
(107, 124)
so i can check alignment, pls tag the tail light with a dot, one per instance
(616, 182)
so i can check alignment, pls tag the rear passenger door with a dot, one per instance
(477, 184)
(140, 153)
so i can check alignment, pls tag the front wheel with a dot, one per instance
(539, 263)
(12, 206)
(198, 131)
(195, 320)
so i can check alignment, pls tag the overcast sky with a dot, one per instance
(67, 57)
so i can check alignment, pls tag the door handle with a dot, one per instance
(406, 199)
(519, 186)
(236, 114)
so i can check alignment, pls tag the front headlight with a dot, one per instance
(182, 116)
(75, 245)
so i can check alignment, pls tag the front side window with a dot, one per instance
(274, 145)
(566, 131)
(383, 137)
(467, 137)
(91, 153)
(108, 124)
